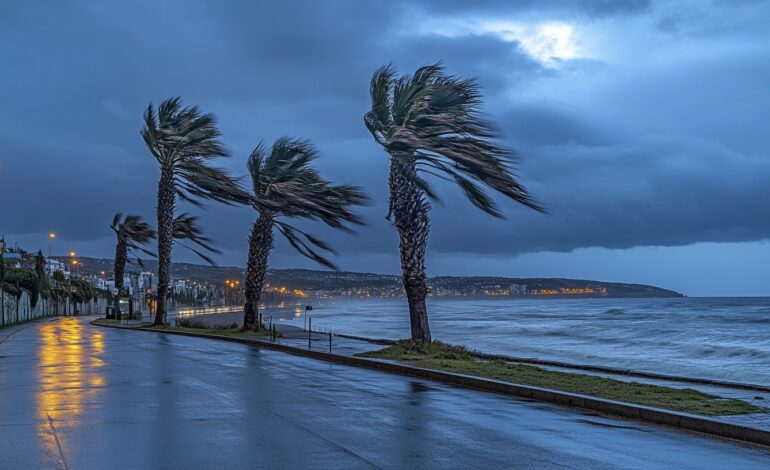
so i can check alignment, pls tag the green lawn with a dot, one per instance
(460, 360)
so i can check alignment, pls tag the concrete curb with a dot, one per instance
(619, 409)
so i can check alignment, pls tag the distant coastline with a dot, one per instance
(307, 282)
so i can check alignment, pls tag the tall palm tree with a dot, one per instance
(184, 142)
(430, 123)
(131, 232)
(286, 186)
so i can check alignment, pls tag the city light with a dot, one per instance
(52, 235)
(73, 254)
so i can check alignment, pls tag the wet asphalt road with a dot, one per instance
(76, 396)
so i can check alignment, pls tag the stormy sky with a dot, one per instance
(642, 125)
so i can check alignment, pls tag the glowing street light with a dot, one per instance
(73, 254)
(51, 237)
(76, 265)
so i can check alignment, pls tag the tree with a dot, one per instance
(184, 142)
(37, 287)
(286, 186)
(131, 232)
(429, 123)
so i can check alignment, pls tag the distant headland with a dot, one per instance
(307, 282)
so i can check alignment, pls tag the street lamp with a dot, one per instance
(51, 237)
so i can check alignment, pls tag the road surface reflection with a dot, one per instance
(69, 376)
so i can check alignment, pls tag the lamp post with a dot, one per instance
(51, 237)
(74, 262)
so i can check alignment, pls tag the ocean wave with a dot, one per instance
(614, 311)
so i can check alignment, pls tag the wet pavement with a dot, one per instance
(297, 337)
(77, 396)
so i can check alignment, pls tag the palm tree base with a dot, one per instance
(418, 316)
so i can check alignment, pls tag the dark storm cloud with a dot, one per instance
(669, 149)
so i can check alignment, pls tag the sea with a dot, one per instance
(713, 338)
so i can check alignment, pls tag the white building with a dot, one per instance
(54, 265)
(518, 289)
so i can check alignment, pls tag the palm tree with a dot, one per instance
(430, 123)
(286, 186)
(131, 232)
(184, 142)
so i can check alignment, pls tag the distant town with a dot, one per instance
(194, 284)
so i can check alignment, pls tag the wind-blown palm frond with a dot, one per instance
(184, 141)
(306, 244)
(433, 121)
(186, 228)
(134, 232)
(285, 184)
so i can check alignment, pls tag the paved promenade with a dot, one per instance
(76, 396)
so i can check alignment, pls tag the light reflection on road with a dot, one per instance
(69, 377)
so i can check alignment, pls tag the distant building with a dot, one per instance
(53, 265)
(518, 289)
(97, 282)
(12, 259)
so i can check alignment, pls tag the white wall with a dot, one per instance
(19, 309)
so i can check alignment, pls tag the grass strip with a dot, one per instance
(458, 359)
(215, 331)
(199, 328)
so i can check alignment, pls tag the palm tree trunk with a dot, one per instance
(410, 213)
(121, 254)
(165, 212)
(260, 244)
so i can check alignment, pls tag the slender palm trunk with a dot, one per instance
(410, 213)
(121, 254)
(165, 212)
(260, 244)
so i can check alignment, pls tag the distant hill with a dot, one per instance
(441, 285)
(194, 272)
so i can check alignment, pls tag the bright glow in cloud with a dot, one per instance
(545, 42)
